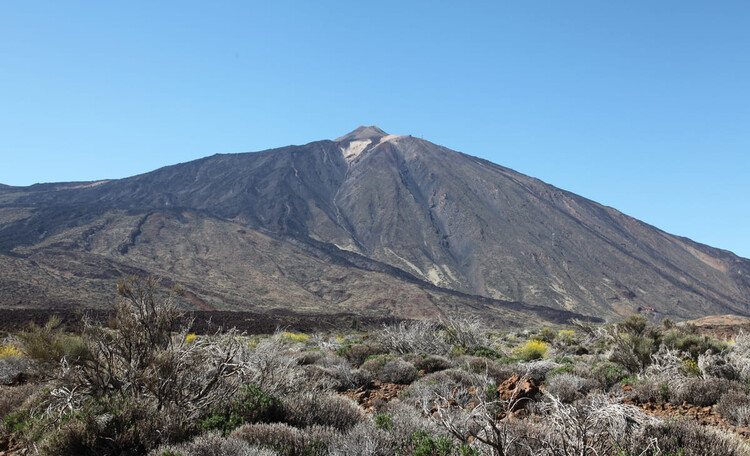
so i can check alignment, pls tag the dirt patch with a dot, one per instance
(370, 397)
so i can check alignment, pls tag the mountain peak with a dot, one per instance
(362, 132)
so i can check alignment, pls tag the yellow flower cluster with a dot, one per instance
(7, 351)
(691, 367)
(532, 349)
(297, 337)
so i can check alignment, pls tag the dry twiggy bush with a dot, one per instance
(734, 405)
(213, 444)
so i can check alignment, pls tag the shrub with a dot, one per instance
(287, 440)
(397, 371)
(213, 444)
(717, 365)
(734, 405)
(464, 332)
(566, 337)
(698, 391)
(338, 377)
(15, 369)
(498, 372)
(253, 406)
(272, 367)
(363, 440)
(426, 445)
(684, 437)
(113, 426)
(567, 387)
(50, 343)
(484, 352)
(632, 351)
(692, 344)
(431, 363)
(547, 335)
(652, 389)
(538, 369)
(417, 336)
(12, 397)
(531, 350)
(634, 324)
(596, 425)
(326, 409)
(358, 353)
(607, 374)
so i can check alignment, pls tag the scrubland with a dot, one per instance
(143, 383)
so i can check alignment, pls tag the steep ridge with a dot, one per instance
(398, 206)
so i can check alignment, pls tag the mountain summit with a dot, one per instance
(362, 132)
(369, 223)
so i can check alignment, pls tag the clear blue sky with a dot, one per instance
(639, 105)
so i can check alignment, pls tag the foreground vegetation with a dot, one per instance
(141, 383)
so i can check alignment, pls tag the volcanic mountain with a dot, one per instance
(369, 223)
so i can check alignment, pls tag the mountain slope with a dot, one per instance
(415, 212)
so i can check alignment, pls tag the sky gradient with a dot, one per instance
(643, 106)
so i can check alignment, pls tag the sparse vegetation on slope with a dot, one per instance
(142, 383)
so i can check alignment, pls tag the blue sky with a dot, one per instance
(639, 105)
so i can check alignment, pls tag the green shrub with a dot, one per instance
(607, 374)
(634, 324)
(384, 421)
(692, 344)
(358, 353)
(548, 335)
(559, 370)
(425, 445)
(484, 352)
(49, 344)
(253, 406)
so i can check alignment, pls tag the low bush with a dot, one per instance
(531, 350)
(397, 371)
(652, 390)
(112, 426)
(252, 406)
(567, 387)
(717, 365)
(287, 440)
(734, 405)
(692, 344)
(337, 378)
(12, 397)
(358, 353)
(698, 391)
(606, 374)
(49, 344)
(498, 372)
(431, 363)
(688, 438)
(417, 336)
(326, 409)
(213, 444)
(538, 369)
(364, 440)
